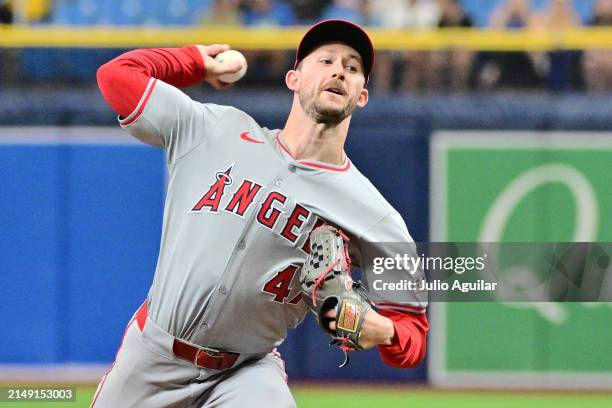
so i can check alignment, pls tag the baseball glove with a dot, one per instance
(327, 284)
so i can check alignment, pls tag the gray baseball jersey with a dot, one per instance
(237, 217)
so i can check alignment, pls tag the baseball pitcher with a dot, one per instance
(260, 226)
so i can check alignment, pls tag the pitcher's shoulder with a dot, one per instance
(236, 121)
(228, 113)
(360, 185)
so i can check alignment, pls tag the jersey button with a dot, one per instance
(292, 168)
(204, 327)
(241, 245)
(223, 290)
(278, 182)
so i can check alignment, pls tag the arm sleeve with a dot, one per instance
(141, 86)
(123, 80)
(410, 341)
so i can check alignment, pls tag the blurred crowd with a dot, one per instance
(405, 71)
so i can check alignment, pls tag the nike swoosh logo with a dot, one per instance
(245, 136)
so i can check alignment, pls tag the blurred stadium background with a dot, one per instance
(467, 95)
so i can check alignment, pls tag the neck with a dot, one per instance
(309, 140)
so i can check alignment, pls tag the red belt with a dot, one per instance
(201, 357)
(206, 358)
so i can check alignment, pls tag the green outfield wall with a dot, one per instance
(521, 187)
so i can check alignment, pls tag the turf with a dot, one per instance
(357, 397)
(311, 398)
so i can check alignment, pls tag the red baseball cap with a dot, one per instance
(338, 31)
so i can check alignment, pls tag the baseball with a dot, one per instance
(229, 56)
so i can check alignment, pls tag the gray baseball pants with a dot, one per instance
(147, 374)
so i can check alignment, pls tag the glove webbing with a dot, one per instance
(319, 281)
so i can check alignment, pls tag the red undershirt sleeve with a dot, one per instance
(124, 79)
(410, 341)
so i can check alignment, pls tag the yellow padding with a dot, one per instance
(287, 39)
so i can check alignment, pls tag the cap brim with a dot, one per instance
(338, 31)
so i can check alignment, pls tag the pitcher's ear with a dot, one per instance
(292, 79)
(363, 98)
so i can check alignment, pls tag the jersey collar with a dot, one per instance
(312, 163)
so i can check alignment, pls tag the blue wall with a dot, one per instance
(80, 237)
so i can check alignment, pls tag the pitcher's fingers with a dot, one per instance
(330, 313)
(220, 85)
(215, 49)
(224, 85)
(225, 68)
(231, 67)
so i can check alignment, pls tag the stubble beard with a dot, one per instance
(323, 113)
